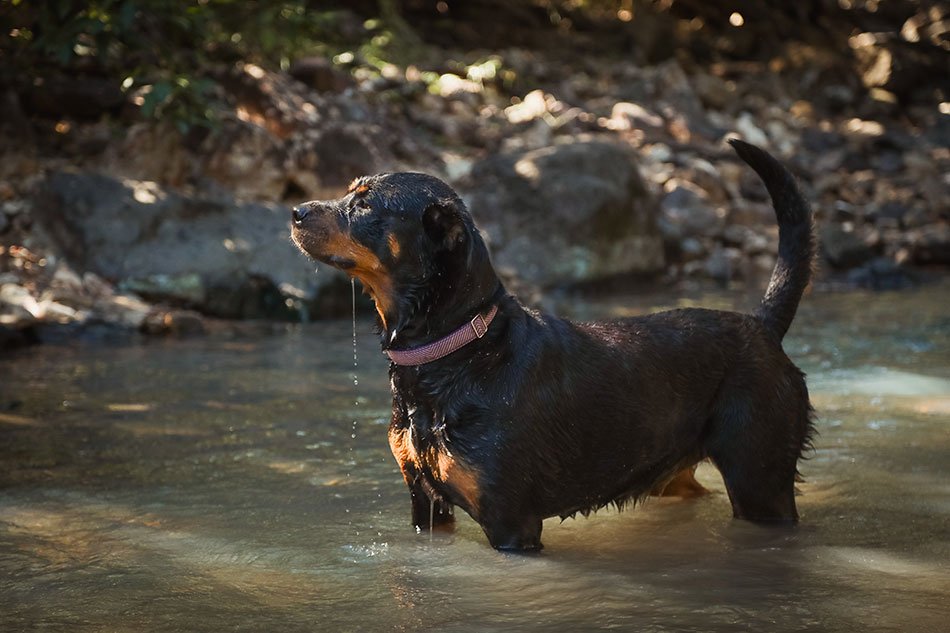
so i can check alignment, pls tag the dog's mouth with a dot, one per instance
(316, 245)
(341, 251)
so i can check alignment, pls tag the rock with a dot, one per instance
(455, 87)
(930, 245)
(176, 248)
(843, 248)
(917, 216)
(691, 249)
(708, 178)
(17, 301)
(567, 214)
(124, 310)
(820, 141)
(888, 161)
(781, 137)
(248, 160)
(903, 67)
(723, 264)
(671, 94)
(746, 126)
(880, 273)
(96, 286)
(150, 151)
(888, 215)
(763, 265)
(685, 212)
(457, 167)
(736, 235)
(756, 243)
(713, 91)
(255, 296)
(173, 322)
(633, 116)
(320, 74)
(843, 211)
(187, 289)
(277, 139)
(13, 207)
(536, 136)
(17, 327)
(66, 287)
(343, 151)
(534, 105)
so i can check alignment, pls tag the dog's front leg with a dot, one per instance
(428, 512)
(429, 509)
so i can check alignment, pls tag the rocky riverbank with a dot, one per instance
(579, 169)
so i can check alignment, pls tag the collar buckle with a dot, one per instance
(479, 326)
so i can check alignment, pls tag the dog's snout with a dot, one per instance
(300, 212)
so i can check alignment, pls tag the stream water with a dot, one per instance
(246, 484)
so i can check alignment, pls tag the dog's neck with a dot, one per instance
(430, 311)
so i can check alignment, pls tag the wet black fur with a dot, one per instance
(558, 417)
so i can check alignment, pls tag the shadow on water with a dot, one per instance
(217, 485)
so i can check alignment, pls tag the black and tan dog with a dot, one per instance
(516, 416)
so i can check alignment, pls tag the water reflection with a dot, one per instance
(217, 485)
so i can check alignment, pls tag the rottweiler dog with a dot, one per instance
(515, 415)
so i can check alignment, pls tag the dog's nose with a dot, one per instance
(301, 212)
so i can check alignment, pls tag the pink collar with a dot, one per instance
(458, 339)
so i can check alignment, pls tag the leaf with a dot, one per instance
(127, 15)
(155, 97)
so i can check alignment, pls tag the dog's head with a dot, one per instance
(410, 241)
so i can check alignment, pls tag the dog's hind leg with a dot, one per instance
(756, 449)
(756, 493)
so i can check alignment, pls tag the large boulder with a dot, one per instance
(221, 257)
(567, 214)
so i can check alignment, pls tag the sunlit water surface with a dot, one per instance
(246, 485)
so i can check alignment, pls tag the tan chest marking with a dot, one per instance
(444, 467)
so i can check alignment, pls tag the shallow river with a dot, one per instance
(246, 484)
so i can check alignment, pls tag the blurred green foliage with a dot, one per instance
(161, 49)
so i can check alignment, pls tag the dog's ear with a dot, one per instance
(444, 225)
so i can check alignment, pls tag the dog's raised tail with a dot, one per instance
(796, 240)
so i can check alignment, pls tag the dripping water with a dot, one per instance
(356, 382)
(356, 400)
